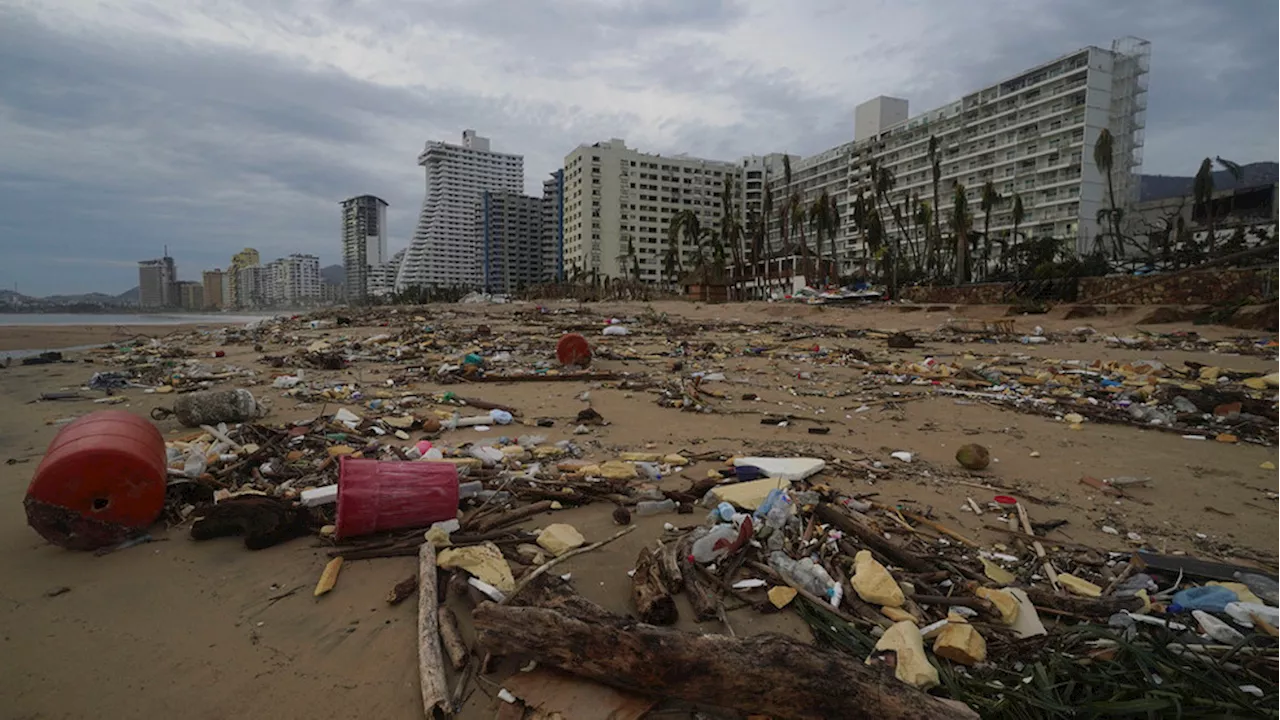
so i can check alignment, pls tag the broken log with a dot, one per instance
(512, 516)
(451, 637)
(872, 538)
(669, 562)
(435, 695)
(762, 674)
(654, 604)
(1088, 607)
(701, 594)
(403, 590)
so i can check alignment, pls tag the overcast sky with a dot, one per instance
(209, 125)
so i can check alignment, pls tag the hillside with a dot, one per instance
(333, 275)
(1157, 187)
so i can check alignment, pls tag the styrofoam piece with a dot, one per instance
(784, 468)
(326, 495)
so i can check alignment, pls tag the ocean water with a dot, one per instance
(12, 319)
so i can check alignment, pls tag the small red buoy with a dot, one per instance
(102, 480)
(573, 350)
(1006, 501)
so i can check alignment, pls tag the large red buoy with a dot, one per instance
(573, 349)
(377, 495)
(102, 480)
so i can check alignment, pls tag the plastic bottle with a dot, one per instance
(704, 548)
(1261, 585)
(656, 507)
(649, 470)
(467, 489)
(1242, 612)
(1134, 583)
(1213, 598)
(1216, 629)
(195, 463)
(723, 512)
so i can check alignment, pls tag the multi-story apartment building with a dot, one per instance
(364, 242)
(1031, 135)
(246, 258)
(292, 280)
(190, 294)
(445, 250)
(619, 202)
(758, 171)
(382, 278)
(252, 286)
(216, 285)
(156, 283)
(511, 248)
(553, 227)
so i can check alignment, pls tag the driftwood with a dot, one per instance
(701, 594)
(435, 694)
(511, 516)
(451, 637)
(762, 674)
(654, 604)
(872, 538)
(538, 571)
(403, 590)
(1088, 607)
(669, 563)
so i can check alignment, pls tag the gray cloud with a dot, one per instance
(146, 124)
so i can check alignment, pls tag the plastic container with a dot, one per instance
(102, 479)
(704, 549)
(211, 408)
(1261, 585)
(1217, 629)
(1242, 613)
(573, 349)
(649, 470)
(723, 512)
(374, 495)
(1213, 598)
(655, 507)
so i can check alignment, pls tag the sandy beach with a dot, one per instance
(207, 629)
(54, 337)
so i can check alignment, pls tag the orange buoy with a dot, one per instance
(573, 350)
(102, 480)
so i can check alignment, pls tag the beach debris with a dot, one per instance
(560, 538)
(329, 577)
(973, 456)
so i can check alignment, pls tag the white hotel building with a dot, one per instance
(618, 200)
(445, 250)
(1032, 134)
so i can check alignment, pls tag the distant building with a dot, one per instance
(251, 287)
(190, 294)
(382, 279)
(215, 288)
(445, 251)
(553, 227)
(364, 242)
(510, 229)
(156, 280)
(246, 258)
(292, 281)
(331, 293)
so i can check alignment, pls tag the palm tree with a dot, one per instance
(1103, 151)
(731, 228)
(766, 216)
(922, 218)
(672, 266)
(960, 223)
(990, 198)
(883, 182)
(1019, 214)
(819, 222)
(935, 168)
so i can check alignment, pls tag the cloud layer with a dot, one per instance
(129, 125)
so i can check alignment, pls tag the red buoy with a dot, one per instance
(102, 480)
(573, 350)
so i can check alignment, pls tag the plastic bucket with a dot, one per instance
(102, 479)
(377, 495)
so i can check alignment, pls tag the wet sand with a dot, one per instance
(55, 337)
(185, 628)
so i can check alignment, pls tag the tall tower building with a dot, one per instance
(364, 242)
(157, 283)
(445, 250)
(510, 229)
(553, 227)
(238, 296)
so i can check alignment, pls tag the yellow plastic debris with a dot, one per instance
(641, 456)
(873, 583)
(896, 614)
(997, 574)
(675, 459)
(1006, 603)
(560, 538)
(961, 643)
(1079, 586)
(483, 561)
(329, 577)
(781, 595)
(616, 470)
(1241, 590)
(911, 666)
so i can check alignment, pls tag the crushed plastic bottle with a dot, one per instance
(649, 470)
(723, 512)
(195, 464)
(704, 548)
(467, 489)
(1261, 585)
(1213, 598)
(1134, 583)
(655, 507)
(1216, 629)
(1242, 613)
(1183, 405)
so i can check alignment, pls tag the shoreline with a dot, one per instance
(23, 340)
